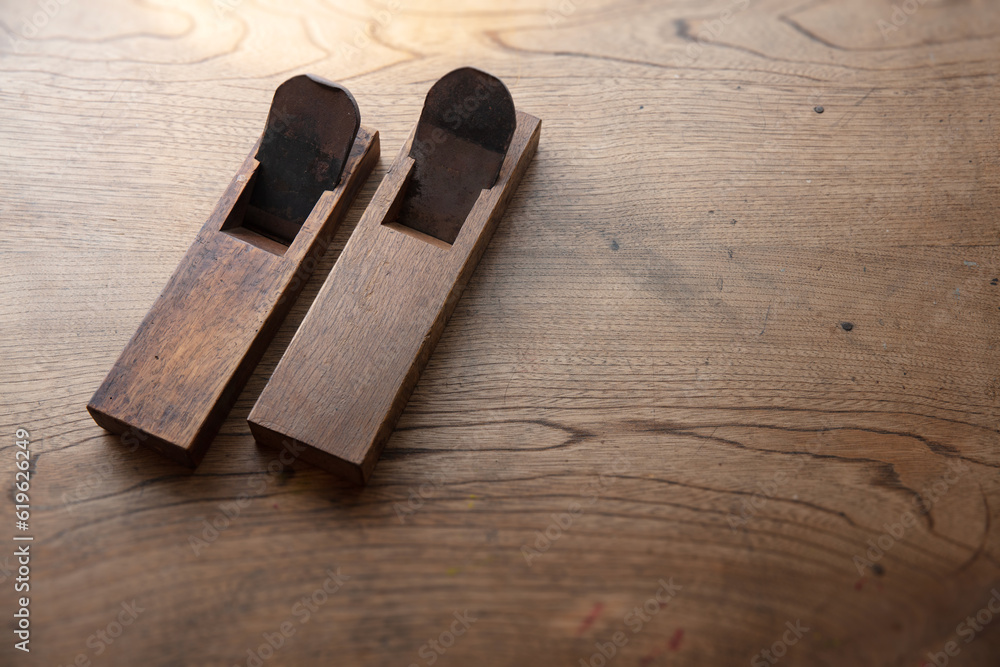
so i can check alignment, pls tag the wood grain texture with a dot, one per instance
(179, 375)
(664, 296)
(345, 378)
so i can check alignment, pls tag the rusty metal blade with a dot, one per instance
(310, 130)
(458, 148)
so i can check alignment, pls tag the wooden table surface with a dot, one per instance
(721, 340)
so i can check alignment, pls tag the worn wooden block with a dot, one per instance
(347, 374)
(179, 375)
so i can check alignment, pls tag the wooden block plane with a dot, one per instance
(181, 372)
(344, 380)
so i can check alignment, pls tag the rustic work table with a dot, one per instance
(720, 338)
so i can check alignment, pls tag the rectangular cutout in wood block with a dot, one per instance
(181, 372)
(346, 376)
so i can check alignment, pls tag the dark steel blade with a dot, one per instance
(310, 130)
(459, 145)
